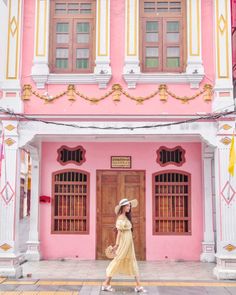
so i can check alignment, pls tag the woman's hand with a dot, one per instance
(115, 247)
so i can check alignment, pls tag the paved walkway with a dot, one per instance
(95, 269)
(91, 287)
(73, 277)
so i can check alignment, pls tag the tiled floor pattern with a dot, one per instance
(95, 269)
(75, 277)
(67, 287)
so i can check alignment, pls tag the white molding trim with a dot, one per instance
(33, 244)
(168, 78)
(100, 79)
(194, 38)
(11, 58)
(223, 57)
(33, 131)
(131, 41)
(208, 244)
(40, 72)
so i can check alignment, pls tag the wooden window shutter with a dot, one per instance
(72, 36)
(172, 203)
(70, 202)
(163, 35)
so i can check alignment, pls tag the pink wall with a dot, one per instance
(126, 106)
(143, 158)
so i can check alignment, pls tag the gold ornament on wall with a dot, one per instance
(5, 247)
(163, 92)
(208, 93)
(230, 247)
(9, 141)
(10, 127)
(226, 127)
(71, 92)
(27, 92)
(116, 92)
(226, 140)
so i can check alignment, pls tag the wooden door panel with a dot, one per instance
(112, 186)
(109, 197)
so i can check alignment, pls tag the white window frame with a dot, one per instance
(40, 72)
(194, 73)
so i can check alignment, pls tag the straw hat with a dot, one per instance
(123, 202)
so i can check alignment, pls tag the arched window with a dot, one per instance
(172, 203)
(163, 35)
(72, 36)
(70, 202)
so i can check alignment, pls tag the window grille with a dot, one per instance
(70, 202)
(167, 156)
(68, 155)
(172, 203)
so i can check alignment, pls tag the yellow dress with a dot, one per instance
(125, 261)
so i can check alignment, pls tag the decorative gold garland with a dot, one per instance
(116, 92)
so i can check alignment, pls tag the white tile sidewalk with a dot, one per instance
(95, 270)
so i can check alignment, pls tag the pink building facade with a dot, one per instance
(114, 99)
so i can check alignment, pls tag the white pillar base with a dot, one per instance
(33, 253)
(207, 257)
(208, 252)
(10, 266)
(225, 268)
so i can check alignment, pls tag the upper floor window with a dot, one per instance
(163, 35)
(72, 36)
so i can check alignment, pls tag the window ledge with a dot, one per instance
(93, 78)
(167, 78)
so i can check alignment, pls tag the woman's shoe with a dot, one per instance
(140, 289)
(107, 288)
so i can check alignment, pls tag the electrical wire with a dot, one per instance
(210, 116)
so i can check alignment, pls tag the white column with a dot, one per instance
(225, 206)
(208, 244)
(40, 69)
(9, 203)
(131, 66)
(102, 69)
(224, 85)
(33, 253)
(11, 80)
(194, 37)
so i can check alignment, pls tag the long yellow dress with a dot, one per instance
(125, 261)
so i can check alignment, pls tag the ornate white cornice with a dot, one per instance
(168, 78)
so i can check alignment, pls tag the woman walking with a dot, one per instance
(125, 261)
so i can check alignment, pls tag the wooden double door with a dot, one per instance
(112, 186)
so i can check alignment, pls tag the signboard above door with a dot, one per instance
(123, 162)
